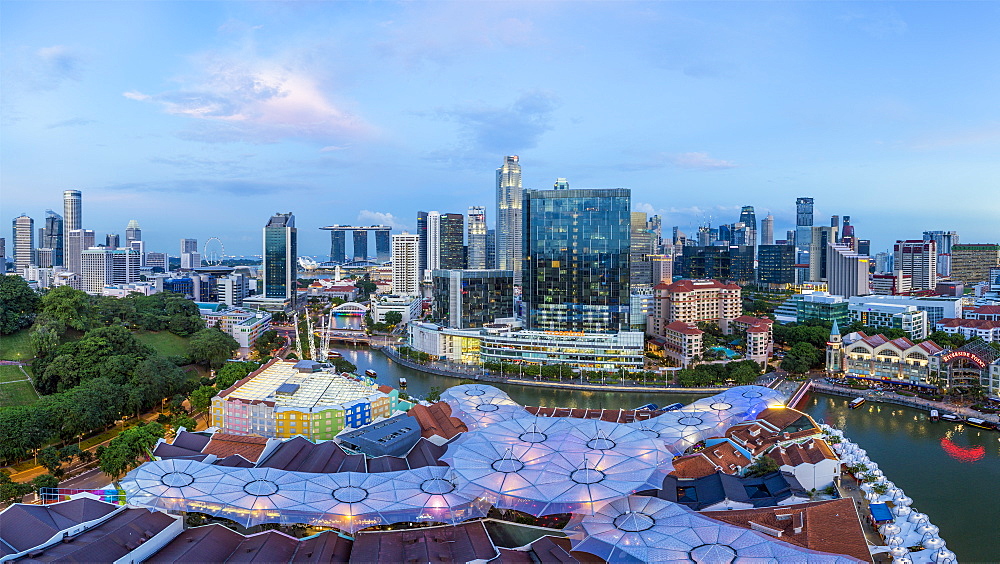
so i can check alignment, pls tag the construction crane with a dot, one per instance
(309, 331)
(298, 341)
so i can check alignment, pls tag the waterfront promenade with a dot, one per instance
(891, 397)
(452, 370)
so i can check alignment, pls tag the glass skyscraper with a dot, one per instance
(509, 213)
(280, 257)
(576, 260)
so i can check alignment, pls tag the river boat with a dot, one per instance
(402, 382)
(950, 417)
(371, 373)
(856, 403)
(976, 422)
(648, 407)
(333, 355)
(673, 407)
(935, 416)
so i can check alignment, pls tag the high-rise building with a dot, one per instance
(232, 289)
(642, 245)
(405, 264)
(847, 271)
(491, 248)
(77, 241)
(749, 219)
(281, 255)
(767, 230)
(3, 255)
(561, 184)
(112, 241)
(54, 237)
(103, 266)
(360, 245)
(971, 263)
(382, 251)
(422, 246)
(818, 250)
(724, 262)
(451, 249)
(72, 219)
(945, 241)
(917, 258)
(132, 232)
(472, 298)
(776, 264)
(510, 243)
(190, 257)
(477, 238)
(803, 238)
(156, 261)
(662, 268)
(885, 262)
(24, 242)
(576, 274)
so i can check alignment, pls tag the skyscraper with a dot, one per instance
(477, 238)
(190, 257)
(749, 219)
(767, 230)
(971, 263)
(561, 184)
(3, 256)
(72, 219)
(382, 252)
(280, 266)
(405, 264)
(510, 244)
(112, 241)
(491, 248)
(576, 275)
(452, 241)
(919, 260)
(103, 266)
(803, 237)
(421, 242)
(847, 271)
(54, 236)
(641, 246)
(945, 240)
(24, 242)
(360, 245)
(132, 232)
(77, 241)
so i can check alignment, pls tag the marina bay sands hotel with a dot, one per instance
(338, 240)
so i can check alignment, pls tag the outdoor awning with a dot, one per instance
(880, 512)
(890, 381)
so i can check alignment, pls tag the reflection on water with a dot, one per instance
(952, 472)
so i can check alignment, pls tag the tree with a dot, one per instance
(762, 466)
(183, 421)
(123, 452)
(18, 304)
(11, 491)
(434, 394)
(49, 458)
(44, 481)
(232, 372)
(800, 358)
(70, 306)
(393, 318)
(211, 347)
(45, 337)
(202, 398)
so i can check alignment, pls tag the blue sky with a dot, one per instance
(201, 119)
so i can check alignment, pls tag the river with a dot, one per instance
(951, 472)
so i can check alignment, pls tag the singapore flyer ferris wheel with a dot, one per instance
(213, 252)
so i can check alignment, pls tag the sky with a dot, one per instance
(201, 119)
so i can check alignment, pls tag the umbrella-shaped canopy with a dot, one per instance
(435, 493)
(649, 529)
(482, 412)
(768, 396)
(734, 409)
(681, 429)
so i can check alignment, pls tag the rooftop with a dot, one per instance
(810, 452)
(460, 543)
(276, 381)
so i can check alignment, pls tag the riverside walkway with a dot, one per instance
(892, 397)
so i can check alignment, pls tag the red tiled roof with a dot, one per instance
(225, 444)
(970, 323)
(811, 452)
(757, 329)
(751, 320)
(930, 346)
(902, 343)
(691, 285)
(831, 526)
(684, 328)
(987, 310)
(436, 419)
(722, 457)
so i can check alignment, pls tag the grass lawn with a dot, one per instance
(17, 393)
(16, 346)
(11, 373)
(165, 342)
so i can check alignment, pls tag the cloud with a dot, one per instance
(700, 161)
(506, 129)
(368, 217)
(73, 122)
(246, 98)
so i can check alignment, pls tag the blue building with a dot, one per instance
(576, 259)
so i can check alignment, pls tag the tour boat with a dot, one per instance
(856, 403)
(371, 373)
(976, 422)
(333, 354)
(951, 417)
(402, 382)
(935, 415)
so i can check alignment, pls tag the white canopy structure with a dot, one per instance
(648, 529)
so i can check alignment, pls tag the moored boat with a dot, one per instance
(402, 382)
(976, 422)
(856, 403)
(371, 373)
(935, 415)
(950, 417)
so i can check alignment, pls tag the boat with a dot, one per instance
(856, 403)
(935, 415)
(976, 422)
(950, 417)
(402, 382)
(673, 407)
(371, 373)
(333, 354)
(648, 407)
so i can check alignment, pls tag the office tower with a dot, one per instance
(790, 237)
(707, 236)
(433, 243)
(139, 246)
(776, 264)
(3, 255)
(232, 289)
(77, 241)
(112, 241)
(132, 232)
(662, 268)
(561, 184)
(642, 244)
(477, 238)
(405, 264)
(834, 221)
(422, 246)
(847, 235)
(157, 262)
(72, 219)
(103, 266)
(190, 257)
(576, 275)
(971, 263)
(722, 262)
(24, 242)
(864, 247)
(725, 236)
(451, 249)
(509, 224)
(749, 219)
(464, 299)
(491, 248)
(54, 237)
(382, 252)
(803, 238)
(281, 255)
(189, 245)
(767, 230)
(847, 271)
(884, 262)
(818, 251)
(43, 257)
(945, 241)
(917, 258)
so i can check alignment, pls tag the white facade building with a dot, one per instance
(899, 316)
(405, 264)
(847, 271)
(407, 306)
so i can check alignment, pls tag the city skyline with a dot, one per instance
(332, 111)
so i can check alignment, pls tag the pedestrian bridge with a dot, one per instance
(350, 308)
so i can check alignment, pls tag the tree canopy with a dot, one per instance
(123, 452)
(18, 304)
(211, 347)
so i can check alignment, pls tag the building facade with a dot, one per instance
(576, 269)
(693, 301)
(280, 265)
(945, 240)
(896, 316)
(103, 266)
(776, 264)
(477, 256)
(72, 219)
(244, 325)
(24, 242)
(971, 263)
(406, 264)
(847, 271)
(877, 358)
(510, 240)
(472, 298)
(919, 260)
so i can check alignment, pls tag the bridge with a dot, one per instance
(354, 336)
(350, 308)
